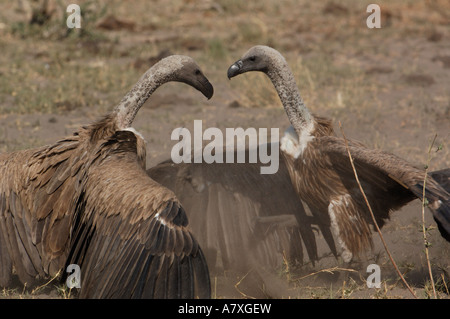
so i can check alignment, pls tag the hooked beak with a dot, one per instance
(234, 69)
(207, 89)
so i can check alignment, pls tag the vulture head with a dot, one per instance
(258, 58)
(181, 68)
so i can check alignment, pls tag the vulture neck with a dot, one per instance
(299, 116)
(126, 110)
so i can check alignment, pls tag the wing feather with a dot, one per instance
(132, 231)
(224, 203)
(388, 177)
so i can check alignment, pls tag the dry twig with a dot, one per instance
(373, 217)
(242, 293)
(46, 284)
(328, 270)
(424, 229)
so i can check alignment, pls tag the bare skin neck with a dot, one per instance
(127, 109)
(286, 87)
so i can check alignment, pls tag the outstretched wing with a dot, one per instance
(442, 177)
(36, 190)
(239, 215)
(131, 236)
(389, 181)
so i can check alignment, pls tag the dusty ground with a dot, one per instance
(388, 87)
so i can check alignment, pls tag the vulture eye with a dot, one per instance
(197, 72)
(252, 58)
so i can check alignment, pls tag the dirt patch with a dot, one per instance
(419, 79)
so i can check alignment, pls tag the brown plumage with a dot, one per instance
(442, 177)
(131, 236)
(245, 220)
(47, 195)
(320, 169)
(241, 218)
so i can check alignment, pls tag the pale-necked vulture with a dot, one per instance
(76, 199)
(320, 169)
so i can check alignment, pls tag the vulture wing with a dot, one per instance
(36, 190)
(242, 218)
(389, 181)
(442, 177)
(131, 236)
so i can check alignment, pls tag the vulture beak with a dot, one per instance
(201, 83)
(235, 69)
(207, 90)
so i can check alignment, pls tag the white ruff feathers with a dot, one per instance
(290, 143)
(133, 130)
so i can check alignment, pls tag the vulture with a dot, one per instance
(87, 200)
(247, 220)
(242, 219)
(321, 173)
